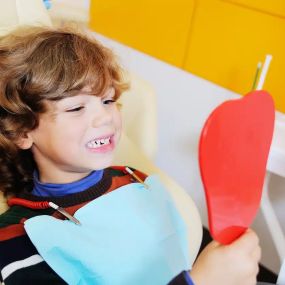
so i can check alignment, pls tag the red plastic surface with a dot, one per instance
(233, 152)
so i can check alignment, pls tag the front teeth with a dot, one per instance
(98, 143)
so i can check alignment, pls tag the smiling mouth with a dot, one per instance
(99, 142)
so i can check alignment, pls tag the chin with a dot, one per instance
(104, 164)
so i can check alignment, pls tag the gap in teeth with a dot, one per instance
(98, 143)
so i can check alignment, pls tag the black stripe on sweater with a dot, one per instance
(39, 274)
(15, 249)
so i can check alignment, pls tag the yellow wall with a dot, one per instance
(220, 40)
(157, 27)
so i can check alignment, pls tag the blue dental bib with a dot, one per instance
(132, 235)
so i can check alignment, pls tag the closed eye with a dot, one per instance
(77, 109)
(108, 102)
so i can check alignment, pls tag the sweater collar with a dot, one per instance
(59, 190)
(72, 199)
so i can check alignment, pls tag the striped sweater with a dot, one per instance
(20, 263)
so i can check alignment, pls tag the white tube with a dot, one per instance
(264, 70)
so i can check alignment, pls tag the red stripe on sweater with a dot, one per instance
(17, 230)
(12, 231)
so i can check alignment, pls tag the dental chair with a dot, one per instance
(139, 141)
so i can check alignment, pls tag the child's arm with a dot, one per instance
(232, 264)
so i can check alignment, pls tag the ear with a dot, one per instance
(25, 141)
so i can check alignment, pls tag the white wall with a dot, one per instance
(184, 102)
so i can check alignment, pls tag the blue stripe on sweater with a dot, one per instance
(59, 190)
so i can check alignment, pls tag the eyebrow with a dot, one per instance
(71, 98)
(110, 91)
(75, 94)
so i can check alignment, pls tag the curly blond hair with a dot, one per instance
(40, 64)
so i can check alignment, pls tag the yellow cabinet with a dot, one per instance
(220, 40)
(157, 27)
(228, 40)
(273, 7)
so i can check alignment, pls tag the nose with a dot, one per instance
(101, 116)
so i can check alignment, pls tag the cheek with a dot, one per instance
(117, 117)
(69, 135)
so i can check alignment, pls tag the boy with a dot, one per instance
(59, 127)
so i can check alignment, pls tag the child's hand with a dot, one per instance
(234, 264)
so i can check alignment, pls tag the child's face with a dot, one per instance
(77, 135)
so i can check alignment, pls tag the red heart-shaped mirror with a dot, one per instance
(233, 152)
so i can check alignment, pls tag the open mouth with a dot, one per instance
(99, 142)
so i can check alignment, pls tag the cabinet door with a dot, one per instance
(159, 28)
(273, 7)
(228, 40)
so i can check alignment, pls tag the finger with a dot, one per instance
(213, 244)
(256, 254)
(248, 241)
(251, 281)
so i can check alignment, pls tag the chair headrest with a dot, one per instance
(15, 13)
